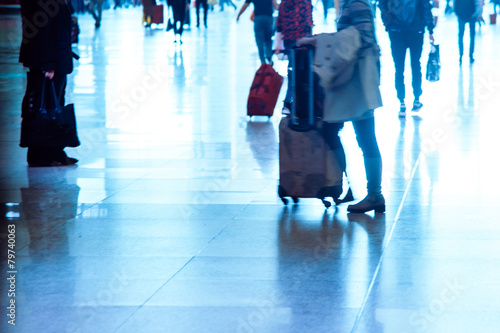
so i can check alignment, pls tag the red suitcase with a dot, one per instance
(264, 91)
(158, 15)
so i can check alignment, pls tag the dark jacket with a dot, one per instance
(407, 15)
(46, 43)
(467, 9)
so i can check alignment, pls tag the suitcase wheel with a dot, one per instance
(295, 200)
(285, 200)
(326, 203)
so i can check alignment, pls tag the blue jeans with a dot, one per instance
(263, 29)
(461, 31)
(400, 42)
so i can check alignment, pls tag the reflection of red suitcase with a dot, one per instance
(158, 15)
(264, 91)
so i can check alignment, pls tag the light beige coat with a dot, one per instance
(339, 59)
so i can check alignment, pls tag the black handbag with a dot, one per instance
(433, 64)
(50, 127)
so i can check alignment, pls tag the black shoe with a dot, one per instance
(69, 161)
(376, 203)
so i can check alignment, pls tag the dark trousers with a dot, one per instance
(179, 11)
(461, 31)
(400, 42)
(204, 4)
(367, 141)
(263, 30)
(365, 136)
(31, 104)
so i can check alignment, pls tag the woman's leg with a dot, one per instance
(367, 141)
(268, 38)
(335, 160)
(198, 4)
(461, 30)
(472, 30)
(205, 11)
(398, 50)
(259, 32)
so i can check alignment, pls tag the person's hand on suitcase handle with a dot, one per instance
(307, 42)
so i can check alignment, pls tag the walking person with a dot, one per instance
(263, 26)
(294, 22)
(204, 4)
(179, 9)
(468, 12)
(95, 8)
(47, 54)
(355, 100)
(406, 31)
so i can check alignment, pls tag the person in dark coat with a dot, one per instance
(46, 51)
(179, 9)
(467, 11)
(204, 4)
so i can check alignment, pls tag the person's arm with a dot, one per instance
(307, 41)
(359, 14)
(479, 9)
(429, 19)
(242, 10)
(275, 5)
(384, 10)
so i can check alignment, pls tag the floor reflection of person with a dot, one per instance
(263, 142)
(320, 260)
(47, 204)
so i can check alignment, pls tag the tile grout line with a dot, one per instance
(170, 279)
(379, 264)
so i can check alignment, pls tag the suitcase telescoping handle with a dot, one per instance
(302, 62)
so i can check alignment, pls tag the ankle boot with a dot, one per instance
(374, 200)
(370, 202)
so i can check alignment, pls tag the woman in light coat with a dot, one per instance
(355, 99)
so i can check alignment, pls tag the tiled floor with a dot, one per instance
(171, 222)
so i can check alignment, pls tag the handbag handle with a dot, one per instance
(54, 95)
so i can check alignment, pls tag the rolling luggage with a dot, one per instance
(302, 149)
(264, 91)
(158, 14)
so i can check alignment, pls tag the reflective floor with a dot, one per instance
(171, 222)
